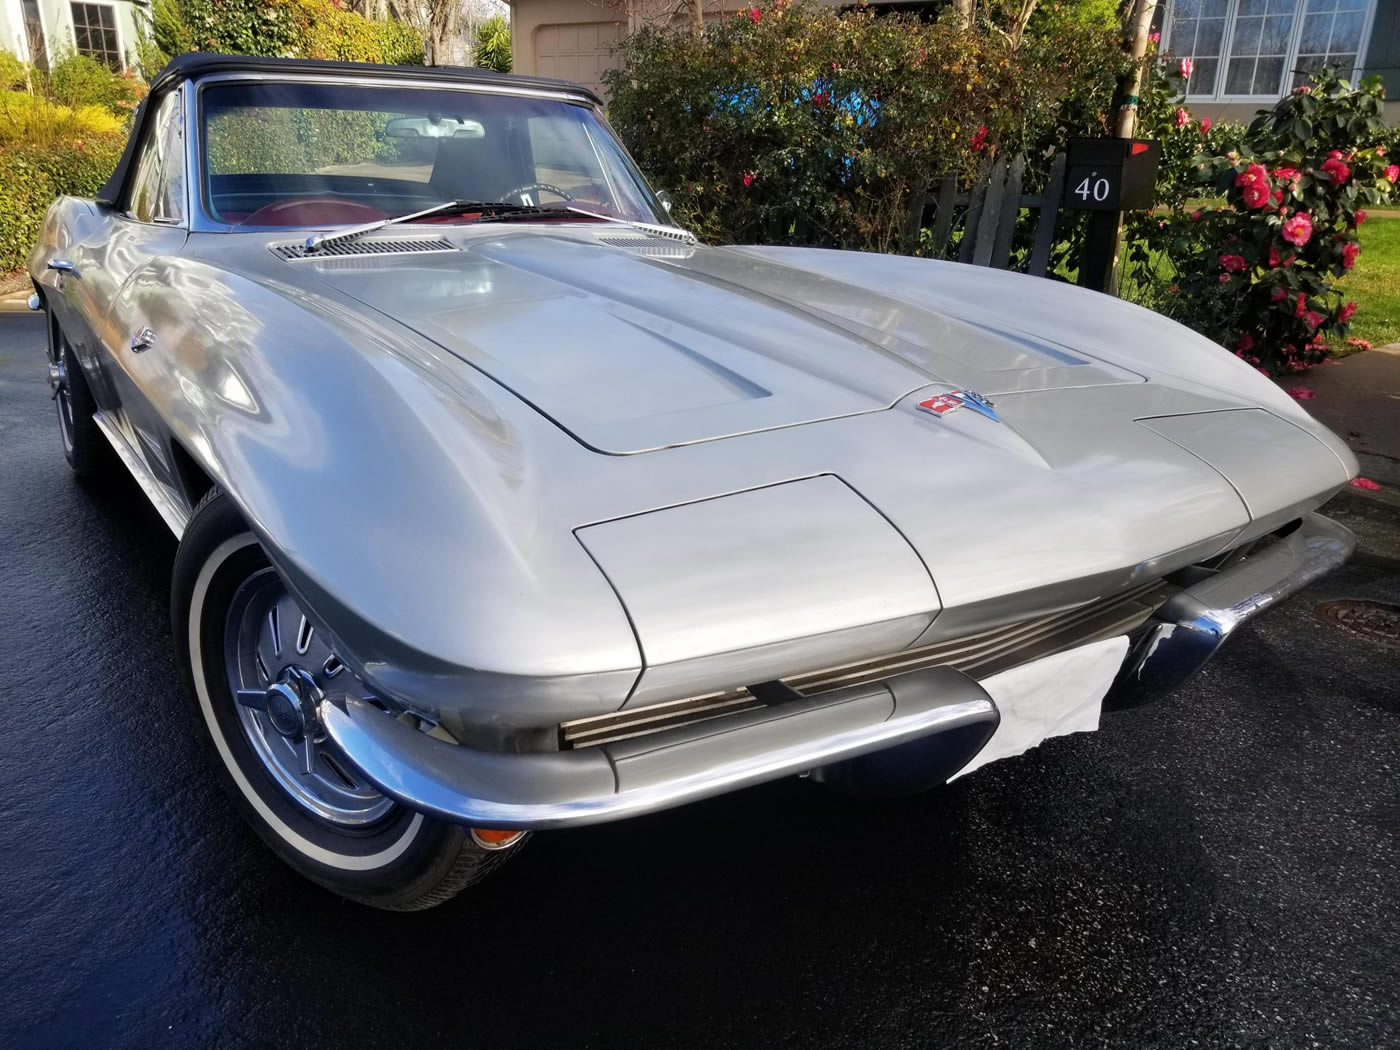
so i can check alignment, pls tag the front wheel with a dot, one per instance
(258, 668)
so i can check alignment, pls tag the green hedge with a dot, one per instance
(31, 177)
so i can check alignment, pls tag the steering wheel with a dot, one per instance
(313, 211)
(520, 193)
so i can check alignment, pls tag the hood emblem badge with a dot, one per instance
(942, 404)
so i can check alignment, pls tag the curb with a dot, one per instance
(15, 303)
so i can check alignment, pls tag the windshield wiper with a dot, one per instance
(674, 233)
(319, 240)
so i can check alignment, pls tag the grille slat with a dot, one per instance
(341, 249)
(980, 654)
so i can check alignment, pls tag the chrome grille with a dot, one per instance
(340, 249)
(980, 654)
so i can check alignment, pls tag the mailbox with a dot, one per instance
(1111, 174)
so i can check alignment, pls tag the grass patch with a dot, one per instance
(1375, 283)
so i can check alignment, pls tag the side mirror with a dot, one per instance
(433, 127)
(665, 199)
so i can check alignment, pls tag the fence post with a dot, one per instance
(1049, 218)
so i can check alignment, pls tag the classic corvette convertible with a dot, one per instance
(503, 504)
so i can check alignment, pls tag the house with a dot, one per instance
(1247, 53)
(41, 31)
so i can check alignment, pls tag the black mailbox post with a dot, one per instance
(1108, 177)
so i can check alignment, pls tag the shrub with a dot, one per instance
(801, 125)
(14, 74)
(32, 176)
(77, 80)
(491, 49)
(288, 28)
(35, 120)
(1258, 273)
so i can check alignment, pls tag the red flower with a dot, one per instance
(1350, 251)
(1254, 181)
(1301, 305)
(819, 100)
(1358, 218)
(1287, 174)
(1337, 171)
(1303, 89)
(1196, 215)
(1280, 294)
(1312, 319)
(1233, 263)
(1205, 125)
(979, 138)
(1393, 173)
(1347, 312)
(755, 15)
(1224, 278)
(1186, 66)
(1182, 118)
(1298, 229)
(1245, 344)
(1364, 483)
(1302, 393)
(749, 178)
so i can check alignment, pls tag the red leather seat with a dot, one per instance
(313, 211)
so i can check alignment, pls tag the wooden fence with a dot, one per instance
(993, 208)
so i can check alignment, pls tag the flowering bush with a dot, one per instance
(1258, 273)
(791, 124)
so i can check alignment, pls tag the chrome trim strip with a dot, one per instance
(1200, 619)
(591, 785)
(168, 509)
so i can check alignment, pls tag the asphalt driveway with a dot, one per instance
(1219, 869)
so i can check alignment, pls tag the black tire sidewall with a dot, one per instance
(88, 444)
(393, 861)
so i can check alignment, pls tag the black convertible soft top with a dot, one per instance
(197, 64)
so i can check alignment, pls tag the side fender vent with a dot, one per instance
(337, 249)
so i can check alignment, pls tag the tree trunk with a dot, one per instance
(697, 18)
(1140, 27)
(964, 8)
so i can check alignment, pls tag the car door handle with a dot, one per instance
(143, 340)
(64, 266)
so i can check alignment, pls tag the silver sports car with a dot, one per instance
(504, 504)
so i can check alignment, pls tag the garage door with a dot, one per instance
(579, 52)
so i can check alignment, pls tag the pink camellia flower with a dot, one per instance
(1364, 483)
(1156, 38)
(1312, 319)
(1224, 278)
(1358, 218)
(1280, 294)
(1380, 151)
(755, 15)
(1336, 169)
(1205, 125)
(1360, 344)
(1347, 312)
(1350, 251)
(1254, 181)
(1186, 66)
(1182, 118)
(1303, 89)
(749, 178)
(1302, 393)
(979, 138)
(1245, 344)
(1233, 263)
(1298, 229)
(1392, 173)
(1301, 305)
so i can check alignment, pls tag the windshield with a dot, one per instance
(309, 154)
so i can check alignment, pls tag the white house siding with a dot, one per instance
(57, 19)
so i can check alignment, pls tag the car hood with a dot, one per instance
(633, 344)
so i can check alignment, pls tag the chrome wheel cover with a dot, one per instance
(278, 668)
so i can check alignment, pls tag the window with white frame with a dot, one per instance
(1261, 49)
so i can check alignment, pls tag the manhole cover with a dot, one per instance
(1374, 621)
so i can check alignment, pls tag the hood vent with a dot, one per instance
(337, 249)
(645, 244)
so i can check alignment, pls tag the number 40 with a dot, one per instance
(1098, 190)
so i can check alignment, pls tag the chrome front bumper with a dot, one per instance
(938, 717)
(630, 777)
(1195, 622)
